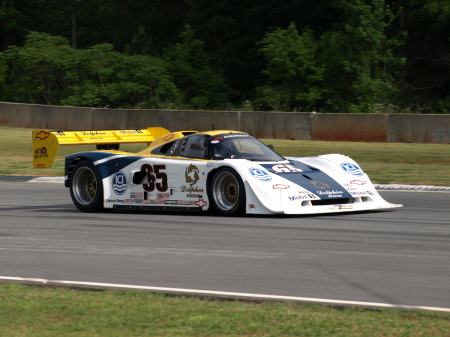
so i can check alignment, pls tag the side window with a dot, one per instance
(195, 147)
(172, 150)
(163, 148)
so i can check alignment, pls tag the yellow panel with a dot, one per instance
(45, 147)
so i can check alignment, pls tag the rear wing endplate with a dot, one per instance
(46, 143)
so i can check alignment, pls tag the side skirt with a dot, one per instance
(158, 208)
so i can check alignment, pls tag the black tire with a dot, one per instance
(228, 192)
(86, 187)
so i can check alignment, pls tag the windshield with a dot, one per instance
(241, 146)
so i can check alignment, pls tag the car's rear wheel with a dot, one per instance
(86, 187)
(228, 192)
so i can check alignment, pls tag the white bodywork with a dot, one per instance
(266, 192)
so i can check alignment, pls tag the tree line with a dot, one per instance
(362, 56)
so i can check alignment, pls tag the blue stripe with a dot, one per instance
(312, 179)
(106, 168)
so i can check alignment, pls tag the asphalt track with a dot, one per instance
(398, 257)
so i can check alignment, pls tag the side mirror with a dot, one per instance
(270, 146)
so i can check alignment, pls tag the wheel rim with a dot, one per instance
(225, 190)
(84, 185)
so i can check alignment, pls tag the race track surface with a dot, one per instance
(399, 256)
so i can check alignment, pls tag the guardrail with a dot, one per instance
(398, 128)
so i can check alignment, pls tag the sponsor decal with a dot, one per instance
(137, 195)
(358, 193)
(201, 203)
(192, 174)
(119, 183)
(331, 194)
(336, 207)
(234, 136)
(286, 168)
(369, 193)
(130, 132)
(192, 191)
(352, 169)
(42, 135)
(358, 182)
(41, 153)
(136, 198)
(349, 187)
(134, 201)
(280, 187)
(168, 137)
(250, 206)
(320, 185)
(175, 202)
(117, 201)
(93, 133)
(163, 195)
(260, 174)
(299, 197)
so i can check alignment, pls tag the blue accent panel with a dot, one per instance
(121, 162)
(106, 168)
(312, 179)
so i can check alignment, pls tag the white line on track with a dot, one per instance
(220, 293)
(378, 187)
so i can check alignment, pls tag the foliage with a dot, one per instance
(190, 69)
(295, 72)
(46, 70)
(36, 71)
(351, 68)
(338, 56)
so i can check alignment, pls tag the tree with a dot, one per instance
(190, 70)
(37, 71)
(296, 75)
(370, 61)
(46, 70)
(350, 68)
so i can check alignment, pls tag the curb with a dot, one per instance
(378, 187)
(30, 179)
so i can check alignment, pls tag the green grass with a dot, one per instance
(35, 311)
(385, 163)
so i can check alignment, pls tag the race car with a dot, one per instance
(230, 172)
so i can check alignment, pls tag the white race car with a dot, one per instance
(229, 171)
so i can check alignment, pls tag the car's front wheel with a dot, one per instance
(228, 192)
(86, 188)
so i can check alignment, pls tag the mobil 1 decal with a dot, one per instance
(310, 178)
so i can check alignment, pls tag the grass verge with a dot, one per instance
(36, 311)
(385, 163)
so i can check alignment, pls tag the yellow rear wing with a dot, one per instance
(46, 143)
